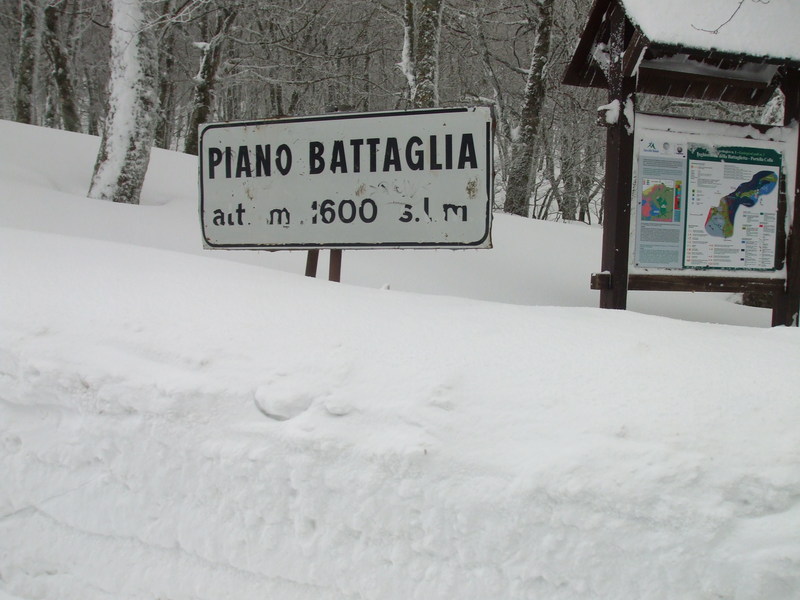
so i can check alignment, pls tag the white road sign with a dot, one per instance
(418, 178)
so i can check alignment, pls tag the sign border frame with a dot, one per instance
(480, 243)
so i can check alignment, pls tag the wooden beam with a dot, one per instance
(692, 283)
(335, 266)
(656, 73)
(619, 159)
(787, 305)
(600, 281)
(582, 61)
(634, 50)
(703, 87)
(312, 259)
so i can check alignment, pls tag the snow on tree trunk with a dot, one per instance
(166, 91)
(568, 202)
(425, 93)
(518, 190)
(503, 128)
(50, 118)
(61, 76)
(26, 60)
(206, 78)
(407, 57)
(132, 102)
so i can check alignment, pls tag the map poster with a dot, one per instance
(732, 207)
(660, 205)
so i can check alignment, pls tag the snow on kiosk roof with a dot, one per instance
(710, 49)
(756, 28)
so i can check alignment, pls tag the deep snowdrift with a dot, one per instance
(178, 426)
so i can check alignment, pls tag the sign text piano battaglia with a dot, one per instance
(393, 179)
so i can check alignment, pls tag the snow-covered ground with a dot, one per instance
(181, 423)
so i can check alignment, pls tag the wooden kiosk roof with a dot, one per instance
(701, 49)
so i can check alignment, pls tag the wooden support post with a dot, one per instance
(335, 266)
(619, 159)
(311, 263)
(786, 304)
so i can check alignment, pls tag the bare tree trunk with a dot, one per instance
(429, 25)
(367, 85)
(518, 191)
(166, 84)
(61, 75)
(408, 53)
(207, 77)
(587, 179)
(132, 106)
(504, 130)
(26, 59)
(554, 181)
(570, 175)
(50, 117)
(94, 105)
(422, 26)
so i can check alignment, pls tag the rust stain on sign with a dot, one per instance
(472, 188)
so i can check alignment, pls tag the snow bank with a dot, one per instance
(174, 426)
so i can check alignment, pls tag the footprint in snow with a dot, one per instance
(281, 407)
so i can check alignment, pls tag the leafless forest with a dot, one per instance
(161, 67)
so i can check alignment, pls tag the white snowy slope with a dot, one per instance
(532, 262)
(182, 425)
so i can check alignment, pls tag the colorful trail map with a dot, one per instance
(660, 200)
(721, 219)
(732, 208)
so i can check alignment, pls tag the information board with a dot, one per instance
(706, 199)
(394, 179)
(732, 207)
